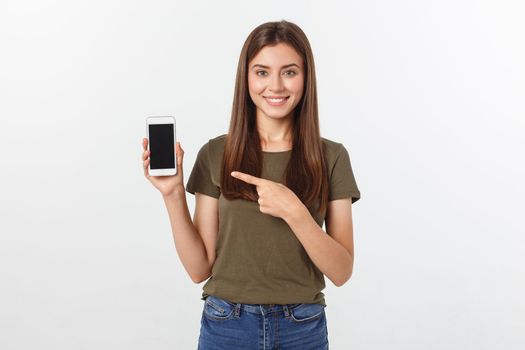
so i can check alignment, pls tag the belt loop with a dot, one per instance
(286, 312)
(237, 309)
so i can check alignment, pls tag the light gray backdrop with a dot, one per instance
(427, 96)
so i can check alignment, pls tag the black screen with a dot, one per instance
(162, 146)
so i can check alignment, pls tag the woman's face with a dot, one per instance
(276, 80)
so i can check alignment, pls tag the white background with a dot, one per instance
(427, 96)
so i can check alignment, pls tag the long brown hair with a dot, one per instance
(306, 172)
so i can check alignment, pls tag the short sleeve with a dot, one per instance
(200, 179)
(342, 181)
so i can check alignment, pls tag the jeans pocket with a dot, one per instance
(306, 312)
(218, 309)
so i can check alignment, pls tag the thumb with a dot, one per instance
(180, 155)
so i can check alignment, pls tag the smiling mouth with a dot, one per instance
(276, 101)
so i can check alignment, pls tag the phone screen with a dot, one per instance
(161, 144)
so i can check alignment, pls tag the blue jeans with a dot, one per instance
(230, 326)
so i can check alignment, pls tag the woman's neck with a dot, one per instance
(275, 134)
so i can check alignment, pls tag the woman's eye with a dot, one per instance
(263, 73)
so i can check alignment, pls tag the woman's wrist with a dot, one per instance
(296, 213)
(177, 193)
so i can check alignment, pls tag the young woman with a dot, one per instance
(263, 191)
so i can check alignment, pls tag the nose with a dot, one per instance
(276, 84)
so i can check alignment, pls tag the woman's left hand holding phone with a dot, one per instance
(167, 185)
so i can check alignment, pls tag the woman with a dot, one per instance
(262, 193)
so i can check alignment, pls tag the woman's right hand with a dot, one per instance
(167, 185)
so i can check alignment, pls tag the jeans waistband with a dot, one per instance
(259, 309)
(265, 309)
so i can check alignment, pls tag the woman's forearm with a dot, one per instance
(332, 259)
(188, 242)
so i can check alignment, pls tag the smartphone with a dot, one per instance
(161, 141)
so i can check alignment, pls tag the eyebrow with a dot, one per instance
(266, 67)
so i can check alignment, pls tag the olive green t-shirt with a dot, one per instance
(259, 258)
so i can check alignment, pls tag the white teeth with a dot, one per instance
(276, 100)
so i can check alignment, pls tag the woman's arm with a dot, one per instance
(332, 253)
(188, 241)
(194, 241)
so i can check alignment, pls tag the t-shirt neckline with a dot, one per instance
(278, 152)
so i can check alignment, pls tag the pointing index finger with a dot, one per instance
(254, 180)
